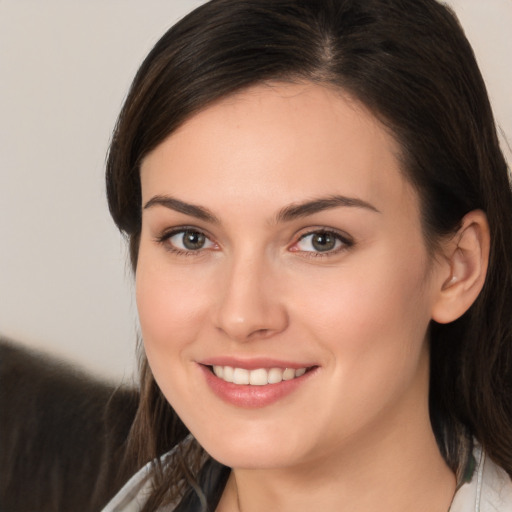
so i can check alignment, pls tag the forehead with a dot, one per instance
(278, 142)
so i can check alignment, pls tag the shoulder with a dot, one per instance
(134, 494)
(191, 497)
(489, 490)
(496, 489)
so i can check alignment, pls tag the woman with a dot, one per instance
(319, 222)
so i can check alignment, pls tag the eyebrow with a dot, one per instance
(180, 206)
(287, 214)
(306, 208)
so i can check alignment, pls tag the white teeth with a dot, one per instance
(241, 376)
(275, 375)
(289, 374)
(258, 377)
(228, 374)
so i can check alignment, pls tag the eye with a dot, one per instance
(321, 242)
(187, 240)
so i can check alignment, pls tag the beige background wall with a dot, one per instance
(65, 67)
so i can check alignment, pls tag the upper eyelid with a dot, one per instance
(169, 232)
(347, 243)
(347, 239)
(303, 232)
(340, 234)
(164, 239)
(165, 235)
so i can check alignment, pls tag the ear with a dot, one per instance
(466, 256)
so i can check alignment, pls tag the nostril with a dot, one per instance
(260, 333)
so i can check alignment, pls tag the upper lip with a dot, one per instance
(253, 363)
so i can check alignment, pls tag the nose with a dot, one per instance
(250, 305)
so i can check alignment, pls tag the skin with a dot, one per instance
(356, 434)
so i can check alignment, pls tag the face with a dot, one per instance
(283, 285)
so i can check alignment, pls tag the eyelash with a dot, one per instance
(164, 238)
(346, 242)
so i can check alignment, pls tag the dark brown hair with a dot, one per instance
(62, 434)
(411, 65)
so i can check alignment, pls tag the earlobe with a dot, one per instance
(467, 255)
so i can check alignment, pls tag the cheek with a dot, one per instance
(171, 308)
(373, 308)
(373, 323)
(171, 303)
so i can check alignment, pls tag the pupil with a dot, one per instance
(193, 240)
(324, 242)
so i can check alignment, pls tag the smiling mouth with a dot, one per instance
(258, 376)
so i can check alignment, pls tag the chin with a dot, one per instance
(256, 451)
(250, 459)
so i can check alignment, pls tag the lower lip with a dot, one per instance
(253, 397)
